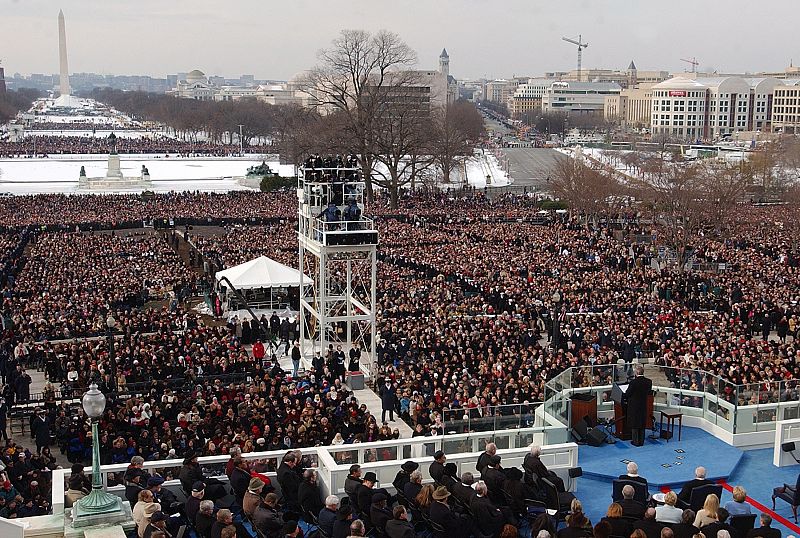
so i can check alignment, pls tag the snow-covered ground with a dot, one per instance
(30, 176)
(218, 174)
(478, 168)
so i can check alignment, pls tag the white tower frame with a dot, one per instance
(340, 257)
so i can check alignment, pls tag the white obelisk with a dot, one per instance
(62, 54)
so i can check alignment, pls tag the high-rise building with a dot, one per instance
(786, 107)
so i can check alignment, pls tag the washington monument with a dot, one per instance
(62, 54)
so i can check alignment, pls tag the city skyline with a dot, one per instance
(277, 42)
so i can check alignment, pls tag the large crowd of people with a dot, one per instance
(480, 302)
(50, 145)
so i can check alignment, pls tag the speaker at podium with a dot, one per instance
(622, 430)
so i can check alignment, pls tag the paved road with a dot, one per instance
(532, 166)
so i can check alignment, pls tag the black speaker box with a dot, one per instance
(596, 437)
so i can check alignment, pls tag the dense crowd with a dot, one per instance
(54, 145)
(107, 211)
(468, 289)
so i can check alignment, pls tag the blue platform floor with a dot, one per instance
(751, 469)
(659, 461)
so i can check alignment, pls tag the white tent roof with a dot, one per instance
(262, 272)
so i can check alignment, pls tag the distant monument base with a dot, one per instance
(114, 180)
(67, 101)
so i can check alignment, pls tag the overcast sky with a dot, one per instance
(485, 38)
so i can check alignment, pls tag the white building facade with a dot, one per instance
(711, 108)
(578, 97)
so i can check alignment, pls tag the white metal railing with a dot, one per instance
(333, 467)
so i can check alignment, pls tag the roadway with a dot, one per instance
(530, 167)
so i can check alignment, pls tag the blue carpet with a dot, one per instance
(754, 472)
(699, 448)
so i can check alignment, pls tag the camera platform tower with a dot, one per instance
(337, 250)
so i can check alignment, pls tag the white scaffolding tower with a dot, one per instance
(338, 251)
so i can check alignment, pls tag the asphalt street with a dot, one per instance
(532, 166)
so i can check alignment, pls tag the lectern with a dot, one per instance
(622, 430)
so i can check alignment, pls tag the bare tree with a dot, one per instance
(456, 129)
(402, 146)
(352, 77)
(588, 191)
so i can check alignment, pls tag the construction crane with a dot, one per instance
(693, 62)
(581, 45)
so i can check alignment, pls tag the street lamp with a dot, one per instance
(98, 501)
(111, 323)
(556, 298)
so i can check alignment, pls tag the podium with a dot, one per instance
(584, 405)
(622, 430)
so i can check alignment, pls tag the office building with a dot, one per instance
(786, 107)
(578, 97)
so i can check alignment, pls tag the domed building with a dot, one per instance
(195, 86)
(195, 75)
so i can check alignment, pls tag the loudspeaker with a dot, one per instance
(596, 437)
(580, 431)
(787, 447)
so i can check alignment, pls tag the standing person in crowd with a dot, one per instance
(388, 400)
(295, 358)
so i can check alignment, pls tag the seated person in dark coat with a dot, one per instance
(649, 525)
(441, 514)
(765, 530)
(403, 475)
(699, 480)
(488, 518)
(463, 490)
(686, 528)
(413, 486)
(576, 527)
(378, 513)
(532, 464)
(619, 525)
(630, 506)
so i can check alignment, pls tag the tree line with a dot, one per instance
(687, 198)
(13, 101)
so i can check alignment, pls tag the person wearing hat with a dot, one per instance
(190, 473)
(494, 477)
(436, 470)
(516, 491)
(379, 515)
(192, 506)
(403, 475)
(252, 497)
(158, 523)
(364, 493)
(168, 501)
(309, 495)
(441, 514)
(341, 526)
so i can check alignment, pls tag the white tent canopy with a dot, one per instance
(262, 272)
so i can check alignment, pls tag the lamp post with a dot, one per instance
(111, 323)
(98, 501)
(241, 146)
(556, 298)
